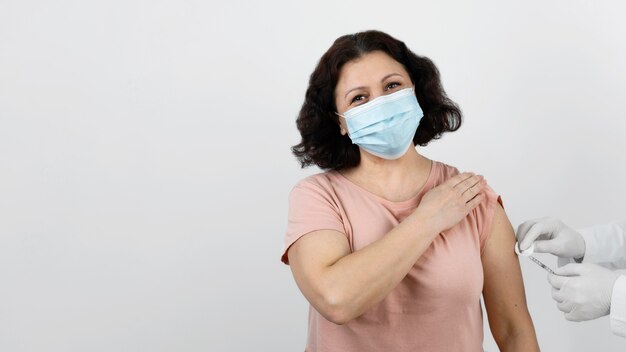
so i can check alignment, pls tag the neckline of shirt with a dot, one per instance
(411, 202)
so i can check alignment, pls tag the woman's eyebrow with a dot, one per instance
(355, 88)
(381, 81)
(390, 75)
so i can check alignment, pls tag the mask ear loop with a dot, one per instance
(341, 130)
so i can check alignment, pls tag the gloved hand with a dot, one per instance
(550, 235)
(583, 291)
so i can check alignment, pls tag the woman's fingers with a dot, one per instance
(458, 179)
(467, 181)
(470, 187)
(473, 203)
(474, 189)
(449, 202)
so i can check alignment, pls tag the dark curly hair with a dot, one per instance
(322, 144)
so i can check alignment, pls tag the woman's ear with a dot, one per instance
(340, 122)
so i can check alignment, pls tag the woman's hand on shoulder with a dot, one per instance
(445, 205)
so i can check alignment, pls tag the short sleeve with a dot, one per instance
(484, 215)
(311, 208)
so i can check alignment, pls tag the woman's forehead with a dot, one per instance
(368, 69)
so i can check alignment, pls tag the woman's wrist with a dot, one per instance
(423, 225)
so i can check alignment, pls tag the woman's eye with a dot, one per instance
(357, 98)
(392, 85)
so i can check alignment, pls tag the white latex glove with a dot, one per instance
(583, 291)
(550, 235)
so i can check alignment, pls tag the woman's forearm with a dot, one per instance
(361, 279)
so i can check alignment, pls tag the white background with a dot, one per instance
(145, 161)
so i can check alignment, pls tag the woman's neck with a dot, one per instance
(395, 180)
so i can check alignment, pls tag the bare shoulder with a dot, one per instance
(502, 235)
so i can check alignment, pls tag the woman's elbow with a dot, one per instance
(335, 308)
(511, 335)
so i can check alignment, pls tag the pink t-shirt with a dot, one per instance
(436, 307)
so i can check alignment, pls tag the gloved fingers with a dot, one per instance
(529, 236)
(523, 228)
(573, 269)
(557, 281)
(566, 306)
(557, 296)
(574, 314)
(539, 229)
(546, 246)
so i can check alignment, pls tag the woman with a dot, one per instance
(393, 250)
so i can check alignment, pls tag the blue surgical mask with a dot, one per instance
(385, 126)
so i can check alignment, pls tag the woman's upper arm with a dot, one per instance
(310, 255)
(503, 290)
